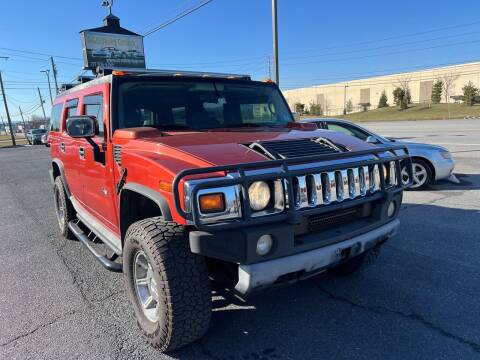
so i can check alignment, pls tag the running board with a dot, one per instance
(83, 238)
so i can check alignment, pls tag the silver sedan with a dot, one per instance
(430, 162)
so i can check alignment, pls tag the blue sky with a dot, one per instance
(320, 41)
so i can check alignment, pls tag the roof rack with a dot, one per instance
(153, 72)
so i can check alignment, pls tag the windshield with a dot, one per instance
(199, 105)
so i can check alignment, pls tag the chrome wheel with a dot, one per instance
(146, 286)
(420, 175)
(59, 209)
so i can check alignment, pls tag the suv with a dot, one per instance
(34, 136)
(192, 177)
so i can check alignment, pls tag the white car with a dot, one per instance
(430, 162)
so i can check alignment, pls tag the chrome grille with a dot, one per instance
(340, 185)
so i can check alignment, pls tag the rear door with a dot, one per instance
(69, 150)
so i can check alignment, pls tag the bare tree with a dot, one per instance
(448, 84)
(448, 81)
(403, 82)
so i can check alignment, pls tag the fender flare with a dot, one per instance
(156, 197)
(59, 163)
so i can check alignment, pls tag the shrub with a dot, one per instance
(383, 102)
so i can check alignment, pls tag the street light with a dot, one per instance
(47, 72)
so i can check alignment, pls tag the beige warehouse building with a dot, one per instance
(333, 97)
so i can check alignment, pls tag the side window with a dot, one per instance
(56, 117)
(348, 130)
(93, 106)
(71, 106)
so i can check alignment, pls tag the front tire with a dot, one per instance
(167, 284)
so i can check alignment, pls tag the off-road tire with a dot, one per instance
(182, 281)
(357, 263)
(68, 210)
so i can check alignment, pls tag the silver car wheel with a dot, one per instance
(420, 175)
(59, 210)
(146, 287)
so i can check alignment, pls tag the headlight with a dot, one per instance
(259, 194)
(446, 155)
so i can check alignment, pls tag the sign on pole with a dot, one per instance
(110, 50)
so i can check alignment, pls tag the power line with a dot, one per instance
(395, 37)
(178, 17)
(384, 54)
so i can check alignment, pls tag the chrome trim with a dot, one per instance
(232, 204)
(318, 188)
(332, 187)
(363, 171)
(354, 182)
(302, 192)
(375, 179)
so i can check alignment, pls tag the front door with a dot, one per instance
(98, 195)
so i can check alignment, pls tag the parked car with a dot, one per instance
(45, 139)
(430, 162)
(228, 188)
(34, 136)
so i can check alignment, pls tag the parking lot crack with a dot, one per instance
(409, 316)
(42, 326)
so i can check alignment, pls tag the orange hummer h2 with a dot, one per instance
(188, 178)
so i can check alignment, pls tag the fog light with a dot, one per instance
(264, 244)
(391, 209)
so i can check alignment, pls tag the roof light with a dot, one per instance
(118, 72)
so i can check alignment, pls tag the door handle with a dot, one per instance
(81, 151)
(62, 147)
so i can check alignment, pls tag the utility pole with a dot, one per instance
(23, 120)
(3, 124)
(275, 40)
(41, 103)
(54, 71)
(12, 134)
(269, 67)
(47, 72)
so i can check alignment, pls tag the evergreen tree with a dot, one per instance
(383, 102)
(437, 92)
(401, 98)
(469, 93)
(315, 109)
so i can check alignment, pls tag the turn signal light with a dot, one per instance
(212, 203)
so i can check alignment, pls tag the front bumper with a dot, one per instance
(253, 277)
(443, 167)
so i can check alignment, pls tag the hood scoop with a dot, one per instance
(287, 149)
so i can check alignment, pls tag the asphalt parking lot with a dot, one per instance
(419, 300)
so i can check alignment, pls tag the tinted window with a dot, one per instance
(93, 106)
(56, 117)
(200, 105)
(71, 106)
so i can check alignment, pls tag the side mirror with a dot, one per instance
(372, 140)
(82, 126)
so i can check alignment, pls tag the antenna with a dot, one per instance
(109, 4)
